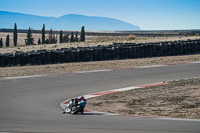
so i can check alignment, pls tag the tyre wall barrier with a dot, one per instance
(99, 53)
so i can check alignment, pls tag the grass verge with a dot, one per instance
(178, 99)
(88, 66)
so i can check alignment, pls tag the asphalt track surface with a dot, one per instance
(32, 104)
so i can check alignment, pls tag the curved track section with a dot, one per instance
(32, 104)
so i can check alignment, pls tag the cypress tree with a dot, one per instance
(7, 40)
(76, 37)
(39, 42)
(61, 36)
(43, 34)
(54, 39)
(15, 35)
(72, 37)
(82, 36)
(1, 43)
(66, 38)
(29, 37)
(50, 38)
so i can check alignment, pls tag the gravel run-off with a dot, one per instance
(178, 99)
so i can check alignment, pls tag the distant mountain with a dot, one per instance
(66, 22)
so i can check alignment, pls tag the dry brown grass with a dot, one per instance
(178, 99)
(131, 37)
(90, 41)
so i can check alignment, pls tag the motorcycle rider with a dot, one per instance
(75, 102)
(82, 103)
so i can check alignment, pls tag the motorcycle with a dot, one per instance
(74, 109)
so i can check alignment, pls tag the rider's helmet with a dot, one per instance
(82, 97)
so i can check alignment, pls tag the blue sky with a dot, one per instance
(148, 14)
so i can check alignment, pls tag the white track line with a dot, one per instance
(94, 71)
(126, 89)
(22, 77)
(177, 119)
(151, 66)
(196, 62)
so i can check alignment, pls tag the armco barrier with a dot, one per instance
(99, 53)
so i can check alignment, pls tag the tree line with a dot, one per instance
(50, 39)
